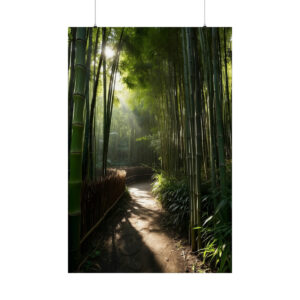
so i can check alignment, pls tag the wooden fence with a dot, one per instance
(99, 197)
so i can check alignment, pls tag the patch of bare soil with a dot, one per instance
(134, 238)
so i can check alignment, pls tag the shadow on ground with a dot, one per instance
(119, 243)
(135, 237)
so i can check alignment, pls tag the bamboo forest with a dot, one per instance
(149, 150)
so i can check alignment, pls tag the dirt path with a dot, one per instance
(134, 239)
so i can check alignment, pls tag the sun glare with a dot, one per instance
(109, 52)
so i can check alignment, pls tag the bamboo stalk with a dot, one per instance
(190, 123)
(76, 150)
(108, 104)
(93, 104)
(198, 137)
(71, 85)
(218, 101)
(87, 114)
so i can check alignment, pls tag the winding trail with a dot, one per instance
(134, 239)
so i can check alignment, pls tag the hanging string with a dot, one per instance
(95, 13)
(204, 15)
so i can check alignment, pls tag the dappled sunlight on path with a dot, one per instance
(136, 239)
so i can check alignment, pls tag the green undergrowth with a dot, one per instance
(174, 197)
(217, 246)
(215, 232)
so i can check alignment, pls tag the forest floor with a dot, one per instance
(135, 238)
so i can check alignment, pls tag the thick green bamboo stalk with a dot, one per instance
(76, 150)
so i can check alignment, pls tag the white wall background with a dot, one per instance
(33, 158)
